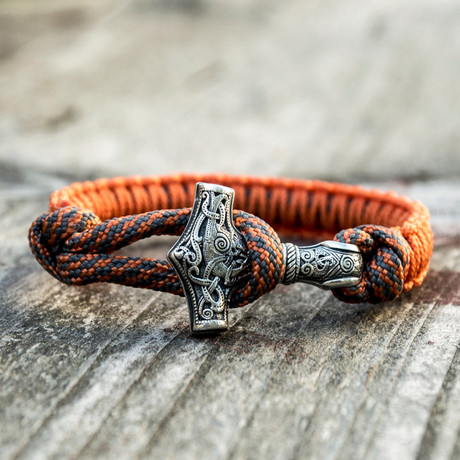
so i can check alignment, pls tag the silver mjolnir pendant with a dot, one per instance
(211, 256)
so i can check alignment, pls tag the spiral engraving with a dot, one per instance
(222, 243)
(307, 269)
(207, 313)
(347, 264)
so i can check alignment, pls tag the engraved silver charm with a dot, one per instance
(209, 257)
(328, 265)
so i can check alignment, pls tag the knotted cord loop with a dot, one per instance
(49, 232)
(386, 257)
(75, 246)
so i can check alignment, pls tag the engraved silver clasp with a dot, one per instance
(328, 265)
(209, 257)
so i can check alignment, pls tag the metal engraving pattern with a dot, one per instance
(291, 256)
(328, 265)
(209, 257)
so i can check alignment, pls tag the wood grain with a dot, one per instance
(354, 91)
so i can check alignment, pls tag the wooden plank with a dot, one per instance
(442, 428)
(305, 363)
(103, 88)
(326, 370)
(78, 365)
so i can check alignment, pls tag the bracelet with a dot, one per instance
(225, 258)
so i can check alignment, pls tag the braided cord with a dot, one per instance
(88, 221)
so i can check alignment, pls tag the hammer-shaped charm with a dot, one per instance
(209, 257)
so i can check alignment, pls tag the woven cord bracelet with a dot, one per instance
(225, 258)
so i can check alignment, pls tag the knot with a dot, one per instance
(265, 258)
(386, 256)
(49, 233)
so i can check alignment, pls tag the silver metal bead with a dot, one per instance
(328, 265)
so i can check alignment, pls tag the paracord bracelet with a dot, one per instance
(227, 258)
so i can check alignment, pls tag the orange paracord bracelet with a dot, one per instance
(241, 258)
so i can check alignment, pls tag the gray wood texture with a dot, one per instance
(348, 90)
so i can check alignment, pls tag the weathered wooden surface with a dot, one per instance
(345, 90)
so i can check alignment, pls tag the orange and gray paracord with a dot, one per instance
(88, 221)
